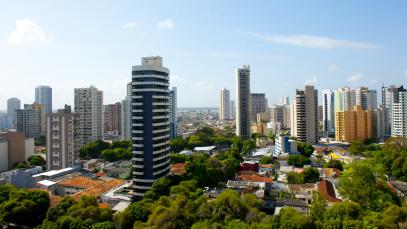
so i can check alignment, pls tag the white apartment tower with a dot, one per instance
(89, 107)
(328, 111)
(389, 96)
(150, 124)
(225, 105)
(399, 115)
(243, 102)
(13, 104)
(304, 121)
(62, 148)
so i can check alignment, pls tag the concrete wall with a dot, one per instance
(29, 147)
(3, 155)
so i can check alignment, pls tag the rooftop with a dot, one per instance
(254, 178)
(204, 148)
(99, 189)
(80, 182)
(327, 189)
(178, 168)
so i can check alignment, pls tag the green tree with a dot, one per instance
(25, 207)
(194, 141)
(357, 148)
(248, 146)
(266, 160)
(295, 178)
(178, 144)
(305, 149)
(36, 160)
(93, 149)
(337, 164)
(298, 160)
(311, 175)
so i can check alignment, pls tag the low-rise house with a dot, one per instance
(328, 190)
(21, 178)
(75, 185)
(205, 149)
(93, 164)
(266, 169)
(249, 166)
(298, 205)
(303, 191)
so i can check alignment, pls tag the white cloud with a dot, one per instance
(28, 32)
(166, 24)
(312, 81)
(310, 41)
(355, 77)
(332, 67)
(130, 25)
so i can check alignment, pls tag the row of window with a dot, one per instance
(149, 72)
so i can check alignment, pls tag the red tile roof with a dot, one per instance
(80, 182)
(255, 178)
(100, 189)
(326, 188)
(178, 168)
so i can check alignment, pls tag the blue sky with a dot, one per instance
(68, 44)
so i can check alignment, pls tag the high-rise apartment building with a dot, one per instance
(225, 106)
(399, 115)
(354, 125)
(378, 124)
(28, 122)
(126, 119)
(150, 124)
(112, 117)
(276, 114)
(126, 115)
(366, 98)
(328, 111)
(243, 102)
(43, 96)
(12, 105)
(232, 110)
(62, 145)
(304, 121)
(173, 113)
(89, 107)
(40, 108)
(389, 96)
(258, 104)
(344, 99)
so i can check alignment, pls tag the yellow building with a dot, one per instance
(353, 125)
(260, 128)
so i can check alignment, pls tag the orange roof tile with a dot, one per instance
(104, 205)
(100, 189)
(80, 182)
(298, 170)
(255, 178)
(178, 168)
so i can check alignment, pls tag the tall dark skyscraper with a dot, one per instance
(150, 124)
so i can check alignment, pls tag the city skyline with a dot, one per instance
(296, 46)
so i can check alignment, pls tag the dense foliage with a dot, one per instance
(36, 160)
(207, 136)
(298, 160)
(22, 207)
(305, 149)
(118, 150)
(40, 141)
(76, 215)
(335, 164)
(310, 175)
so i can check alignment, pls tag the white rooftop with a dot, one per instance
(204, 148)
(54, 172)
(46, 183)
